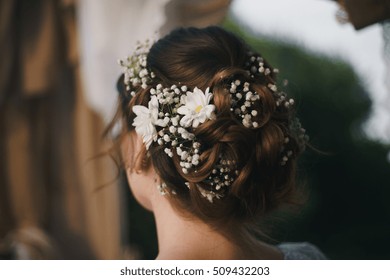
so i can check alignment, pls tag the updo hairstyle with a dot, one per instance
(214, 58)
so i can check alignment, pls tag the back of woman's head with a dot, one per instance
(226, 141)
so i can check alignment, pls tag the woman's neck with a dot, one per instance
(190, 238)
(182, 238)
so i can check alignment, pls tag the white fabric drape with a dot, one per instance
(108, 31)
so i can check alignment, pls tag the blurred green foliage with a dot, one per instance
(347, 214)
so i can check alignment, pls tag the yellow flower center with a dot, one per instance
(197, 109)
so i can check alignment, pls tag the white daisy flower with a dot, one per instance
(146, 120)
(196, 108)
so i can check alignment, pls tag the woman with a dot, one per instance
(209, 144)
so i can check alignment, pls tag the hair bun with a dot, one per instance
(241, 157)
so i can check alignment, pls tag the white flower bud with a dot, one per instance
(184, 155)
(175, 121)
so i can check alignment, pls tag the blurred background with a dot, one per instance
(60, 200)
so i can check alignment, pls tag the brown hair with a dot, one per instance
(212, 57)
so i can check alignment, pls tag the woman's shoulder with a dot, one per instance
(300, 251)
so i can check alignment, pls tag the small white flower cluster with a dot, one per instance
(300, 135)
(255, 65)
(210, 195)
(222, 175)
(282, 99)
(189, 156)
(285, 154)
(242, 99)
(135, 71)
(163, 189)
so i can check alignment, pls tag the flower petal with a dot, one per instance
(184, 110)
(186, 121)
(147, 139)
(140, 110)
(144, 121)
(195, 123)
(208, 96)
(198, 98)
(208, 110)
(161, 122)
(153, 107)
